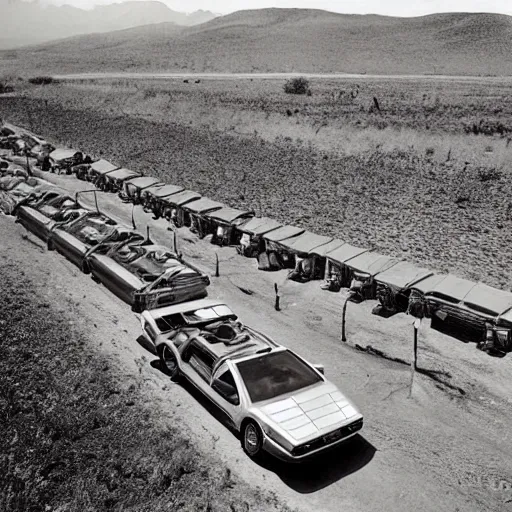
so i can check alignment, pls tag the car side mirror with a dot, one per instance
(227, 391)
(319, 368)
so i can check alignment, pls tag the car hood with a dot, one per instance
(310, 413)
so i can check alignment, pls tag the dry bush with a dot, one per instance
(43, 80)
(298, 85)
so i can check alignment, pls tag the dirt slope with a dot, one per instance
(293, 40)
(445, 446)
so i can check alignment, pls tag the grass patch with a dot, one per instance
(73, 440)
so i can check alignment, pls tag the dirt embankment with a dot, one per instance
(444, 216)
(73, 435)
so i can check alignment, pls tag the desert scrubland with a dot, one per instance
(418, 169)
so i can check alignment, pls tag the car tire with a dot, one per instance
(252, 439)
(168, 363)
(85, 268)
(49, 245)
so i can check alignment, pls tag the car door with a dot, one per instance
(225, 393)
(113, 276)
(197, 366)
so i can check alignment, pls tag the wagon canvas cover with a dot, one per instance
(143, 181)
(305, 242)
(344, 253)
(228, 215)
(371, 263)
(122, 174)
(63, 154)
(488, 300)
(451, 288)
(165, 190)
(184, 197)
(203, 205)
(403, 275)
(283, 233)
(322, 250)
(259, 226)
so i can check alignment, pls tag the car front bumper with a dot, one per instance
(278, 451)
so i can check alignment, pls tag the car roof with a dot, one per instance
(185, 307)
(256, 343)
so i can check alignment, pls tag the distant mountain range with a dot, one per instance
(289, 40)
(25, 23)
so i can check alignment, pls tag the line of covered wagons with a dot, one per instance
(463, 309)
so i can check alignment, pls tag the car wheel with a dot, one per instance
(168, 363)
(49, 245)
(252, 439)
(85, 267)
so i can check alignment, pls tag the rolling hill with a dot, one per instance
(33, 22)
(289, 40)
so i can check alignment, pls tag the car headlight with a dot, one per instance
(277, 438)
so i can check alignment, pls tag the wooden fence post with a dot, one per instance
(276, 305)
(344, 314)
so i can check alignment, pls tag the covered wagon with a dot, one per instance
(133, 188)
(172, 206)
(95, 171)
(499, 337)
(275, 257)
(113, 181)
(62, 160)
(153, 198)
(195, 215)
(337, 275)
(251, 242)
(364, 268)
(307, 266)
(466, 310)
(394, 287)
(224, 224)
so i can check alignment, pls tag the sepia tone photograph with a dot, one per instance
(255, 255)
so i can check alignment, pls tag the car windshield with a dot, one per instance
(275, 374)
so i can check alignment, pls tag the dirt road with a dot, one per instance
(267, 76)
(436, 445)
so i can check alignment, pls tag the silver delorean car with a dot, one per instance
(277, 401)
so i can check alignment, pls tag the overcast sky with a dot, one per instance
(390, 7)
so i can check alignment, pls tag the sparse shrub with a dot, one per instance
(288, 112)
(5, 88)
(43, 80)
(430, 152)
(299, 85)
(149, 93)
(489, 174)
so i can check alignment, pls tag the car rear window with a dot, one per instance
(275, 374)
